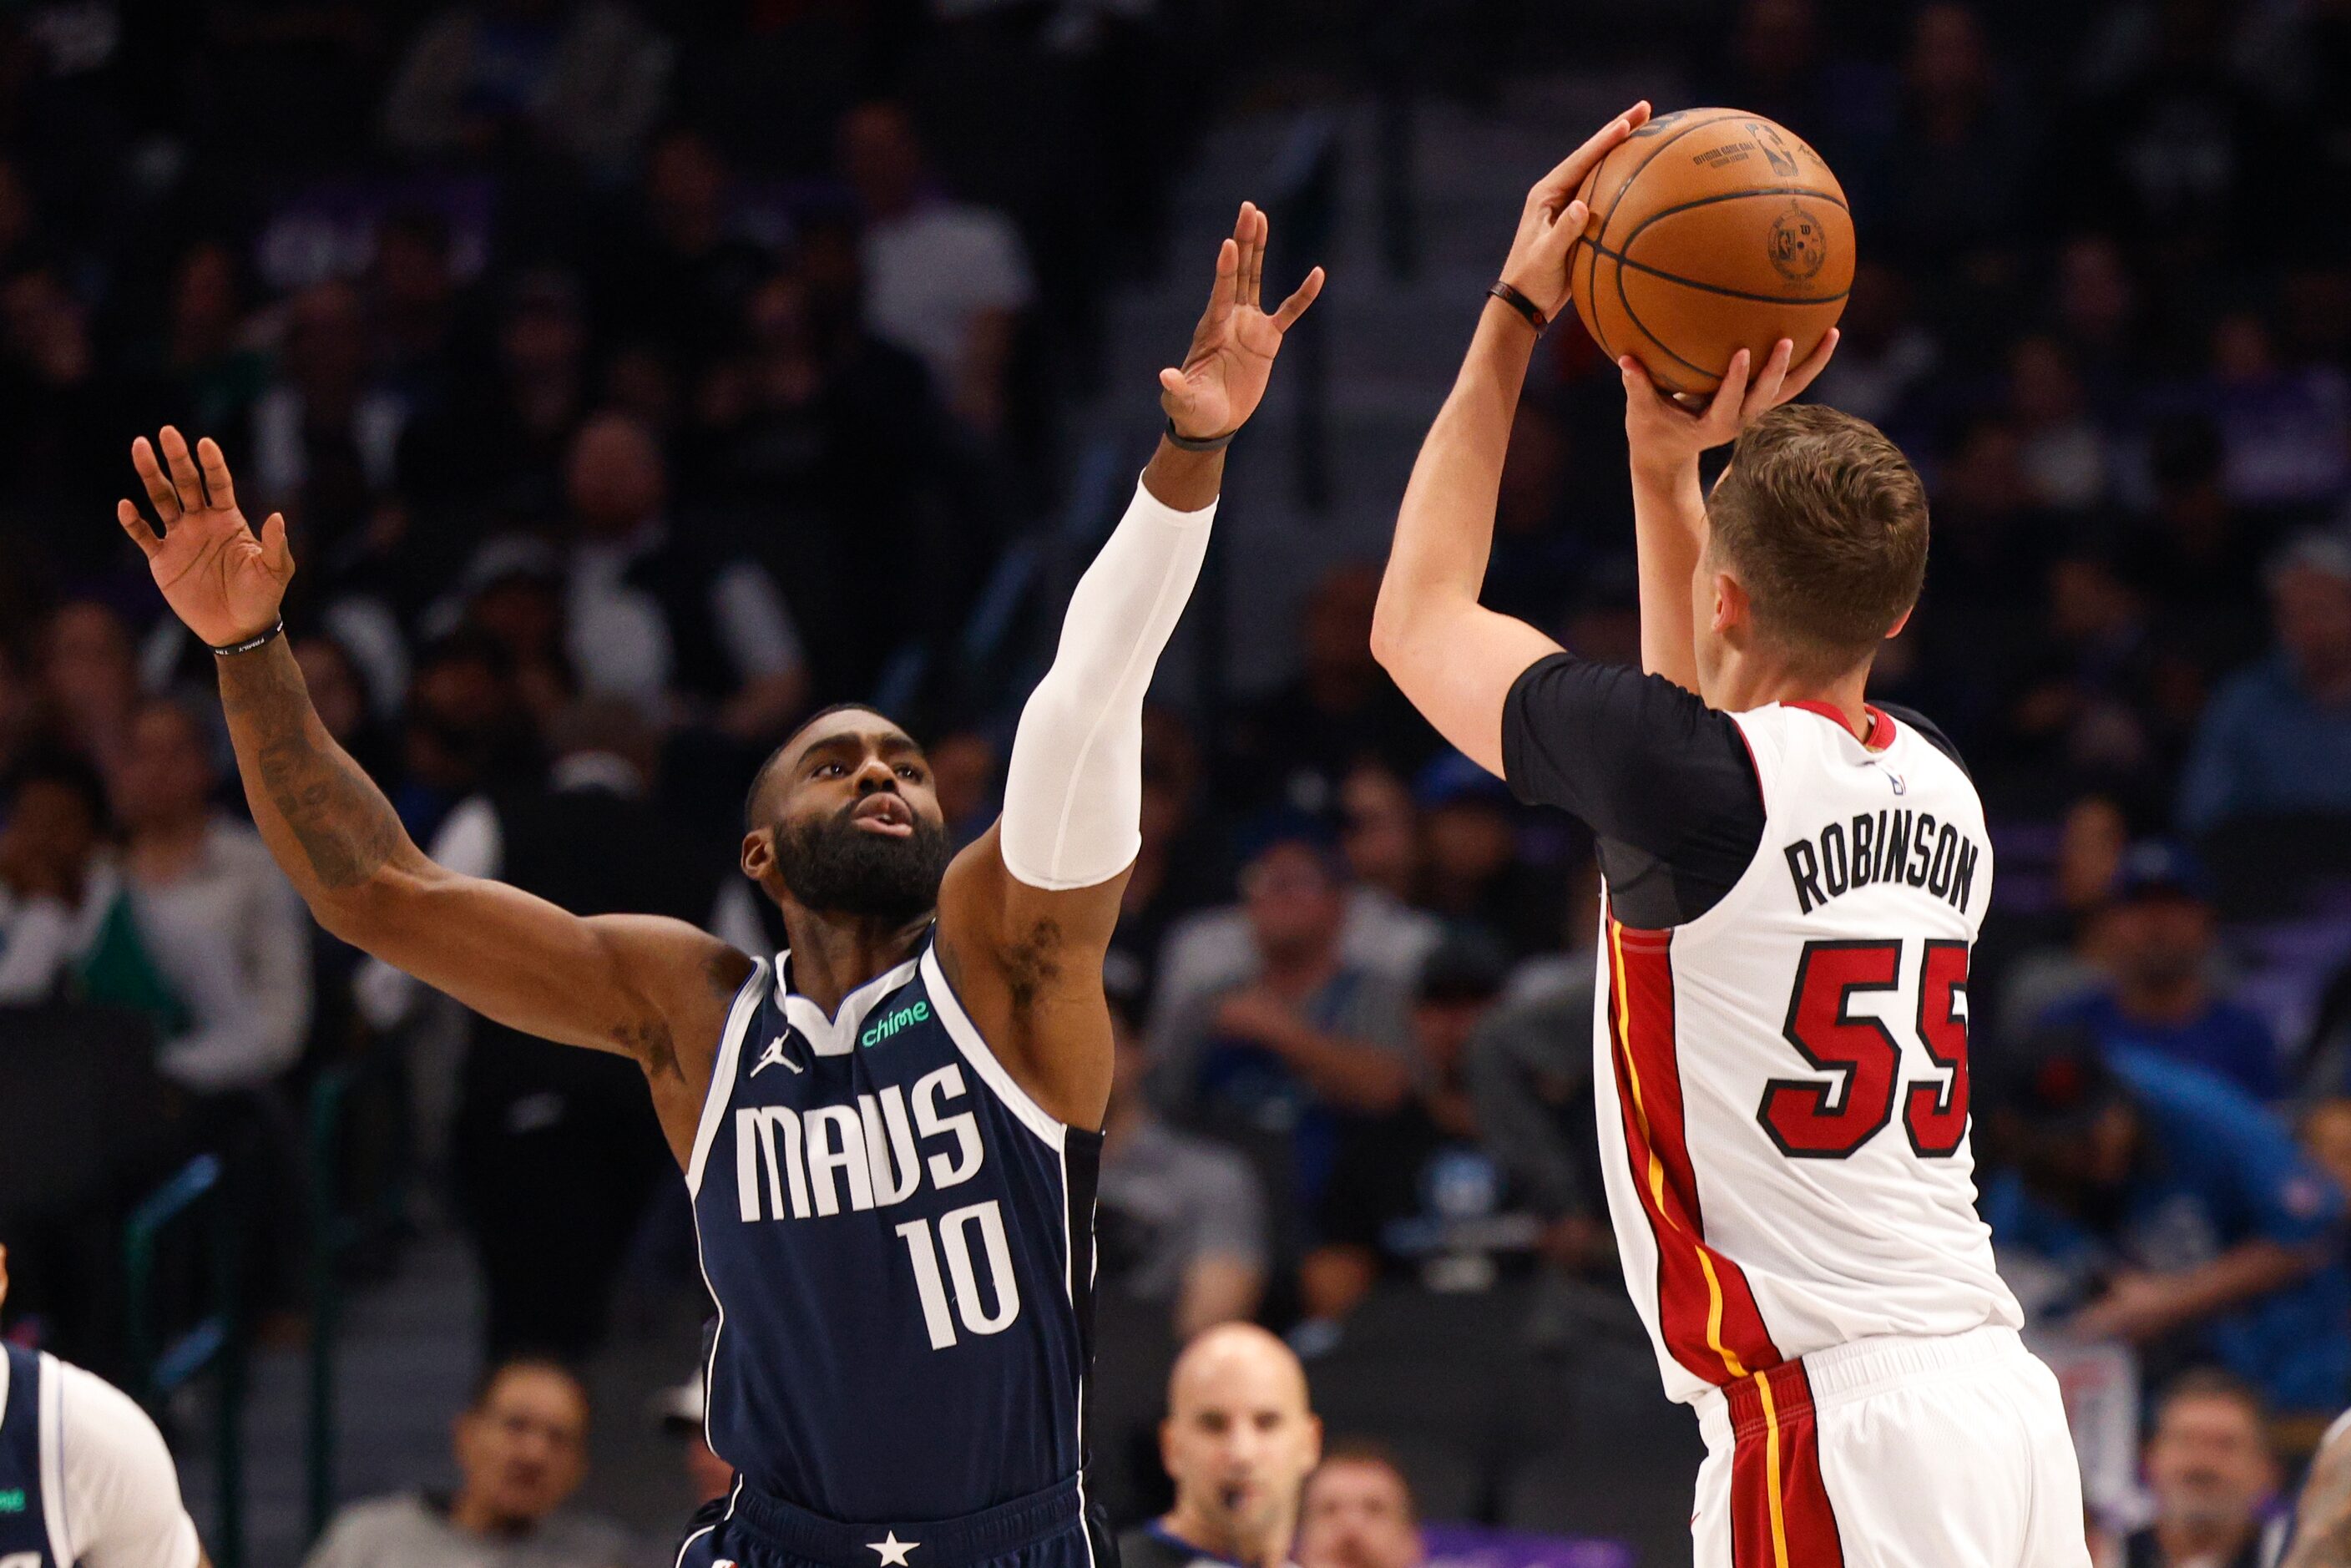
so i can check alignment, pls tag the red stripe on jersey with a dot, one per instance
(1706, 1312)
(1780, 1516)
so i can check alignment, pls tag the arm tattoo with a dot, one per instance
(296, 775)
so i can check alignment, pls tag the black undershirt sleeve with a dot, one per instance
(1665, 782)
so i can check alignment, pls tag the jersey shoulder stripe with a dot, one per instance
(740, 1015)
(969, 1040)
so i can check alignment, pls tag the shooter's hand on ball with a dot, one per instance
(1666, 433)
(1553, 218)
(1224, 372)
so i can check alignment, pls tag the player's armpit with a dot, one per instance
(1026, 963)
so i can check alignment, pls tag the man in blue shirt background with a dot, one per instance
(2276, 738)
(2173, 1213)
(2158, 938)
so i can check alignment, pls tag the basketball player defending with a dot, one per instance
(1794, 877)
(85, 1478)
(890, 1131)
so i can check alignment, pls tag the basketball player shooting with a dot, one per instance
(1794, 877)
(890, 1131)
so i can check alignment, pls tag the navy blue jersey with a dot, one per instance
(901, 1245)
(28, 1465)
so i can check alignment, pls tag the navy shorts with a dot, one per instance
(1051, 1528)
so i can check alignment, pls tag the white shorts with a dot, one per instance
(1891, 1453)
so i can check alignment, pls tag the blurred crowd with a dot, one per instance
(636, 377)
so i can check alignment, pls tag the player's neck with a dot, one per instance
(2190, 1541)
(833, 955)
(1203, 1533)
(1750, 680)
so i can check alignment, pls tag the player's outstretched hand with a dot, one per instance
(217, 574)
(1224, 373)
(1665, 434)
(1552, 218)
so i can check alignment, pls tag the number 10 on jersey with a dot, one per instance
(1821, 1119)
(955, 1229)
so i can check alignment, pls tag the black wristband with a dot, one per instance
(1521, 304)
(250, 643)
(1184, 442)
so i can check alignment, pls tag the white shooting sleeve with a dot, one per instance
(1073, 791)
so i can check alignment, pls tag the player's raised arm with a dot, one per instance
(652, 988)
(1453, 657)
(1026, 914)
(1666, 439)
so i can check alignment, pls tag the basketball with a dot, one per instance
(1711, 230)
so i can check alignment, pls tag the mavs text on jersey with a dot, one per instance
(899, 1242)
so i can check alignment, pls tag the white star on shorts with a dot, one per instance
(893, 1551)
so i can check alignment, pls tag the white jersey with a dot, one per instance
(85, 1478)
(1782, 1081)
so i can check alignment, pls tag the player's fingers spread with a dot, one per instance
(273, 542)
(214, 465)
(1228, 270)
(1731, 397)
(159, 493)
(182, 463)
(1803, 375)
(1305, 294)
(1765, 394)
(136, 526)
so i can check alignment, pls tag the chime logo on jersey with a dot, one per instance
(790, 1163)
(12, 1501)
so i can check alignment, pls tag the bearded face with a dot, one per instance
(831, 864)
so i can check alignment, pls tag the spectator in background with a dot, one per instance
(557, 1153)
(326, 437)
(1280, 1058)
(1884, 354)
(1297, 746)
(1357, 1511)
(1380, 835)
(2067, 466)
(1240, 1440)
(1472, 874)
(205, 358)
(947, 281)
(466, 729)
(521, 1448)
(683, 1411)
(2276, 739)
(2026, 963)
(2285, 430)
(654, 617)
(2211, 1475)
(56, 890)
(682, 277)
(412, 301)
(579, 80)
(1379, 933)
(2156, 939)
(89, 681)
(492, 455)
(2161, 1206)
(1529, 1069)
(1179, 1220)
(222, 926)
(1414, 1194)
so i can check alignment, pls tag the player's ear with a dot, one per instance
(1731, 604)
(1895, 630)
(758, 856)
